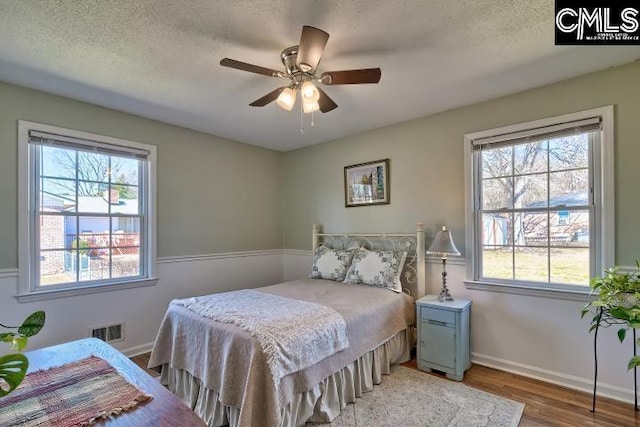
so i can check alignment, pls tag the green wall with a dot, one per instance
(209, 188)
(427, 163)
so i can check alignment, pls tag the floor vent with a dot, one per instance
(109, 333)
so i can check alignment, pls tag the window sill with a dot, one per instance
(564, 294)
(63, 293)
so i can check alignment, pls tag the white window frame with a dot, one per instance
(603, 180)
(27, 290)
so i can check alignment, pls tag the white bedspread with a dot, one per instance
(230, 361)
(319, 331)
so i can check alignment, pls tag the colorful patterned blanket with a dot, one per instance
(76, 394)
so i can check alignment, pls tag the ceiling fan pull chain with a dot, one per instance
(301, 120)
(312, 122)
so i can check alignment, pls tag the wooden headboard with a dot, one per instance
(413, 273)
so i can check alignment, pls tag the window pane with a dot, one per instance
(93, 197)
(124, 199)
(530, 191)
(125, 232)
(570, 265)
(93, 167)
(94, 234)
(57, 267)
(530, 228)
(497, 162)
(531, 264)
(569, 152)
(98, 266)
(570, 228)
(58, 162)
(496, 193)
(124, 170)
(569, 188)
(530, 158)
(497, 263)
(125, 262)
(496, 230)
(53, 232)
(57, 195)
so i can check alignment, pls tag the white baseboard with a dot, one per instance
(553, 377)
(137, 350)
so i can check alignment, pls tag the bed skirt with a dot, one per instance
(321, 404)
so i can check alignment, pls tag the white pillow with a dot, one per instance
(331, 264)
(377, 268)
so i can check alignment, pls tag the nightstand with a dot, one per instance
(443, 336)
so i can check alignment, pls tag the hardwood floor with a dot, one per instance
(545, 404)
(142, 360)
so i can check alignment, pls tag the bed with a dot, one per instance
(225, 373)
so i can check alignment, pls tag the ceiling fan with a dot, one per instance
(300, 68)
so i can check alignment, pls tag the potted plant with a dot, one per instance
(13, 366)
(618, 303)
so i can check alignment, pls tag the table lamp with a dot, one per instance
(443, 246)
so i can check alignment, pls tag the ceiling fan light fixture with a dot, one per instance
(301, 70)
(309, 106)
(309, 92)
(287, 98)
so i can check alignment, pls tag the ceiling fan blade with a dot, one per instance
(326, 104)
(270, 97)
(239, 65)
(312, 43)
(351, 77)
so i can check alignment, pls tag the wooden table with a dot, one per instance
(164, 409)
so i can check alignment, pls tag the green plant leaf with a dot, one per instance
(584, 311)
(7, 336)
(593, 327)
(635, 361)
(32, 324)
(19, 342)
(619, 313)
(621, 334)
(13, 368)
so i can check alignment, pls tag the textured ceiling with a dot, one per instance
(160, 59)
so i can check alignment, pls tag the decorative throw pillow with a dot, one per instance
(377, 268)
(331, 264)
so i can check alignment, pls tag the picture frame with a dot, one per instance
(367, 184)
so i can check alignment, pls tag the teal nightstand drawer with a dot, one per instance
(437, 316)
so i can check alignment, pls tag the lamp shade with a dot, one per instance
(309, 92)
(309, 106)
(443, 245)
(287, 98)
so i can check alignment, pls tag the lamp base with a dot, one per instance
(445, 295)
(444, 291)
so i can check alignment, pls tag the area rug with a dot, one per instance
(410, 398)
(77, 394)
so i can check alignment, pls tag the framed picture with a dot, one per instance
(366, 184)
